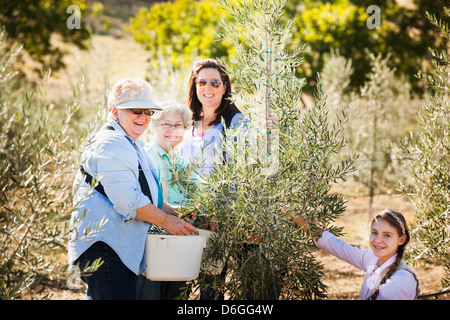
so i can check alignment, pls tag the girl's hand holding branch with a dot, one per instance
(314, 231)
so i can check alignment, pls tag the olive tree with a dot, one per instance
(272, 173)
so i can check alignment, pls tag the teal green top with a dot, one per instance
(173, 193)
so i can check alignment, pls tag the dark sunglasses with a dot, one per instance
(214, 83)
(147, 112)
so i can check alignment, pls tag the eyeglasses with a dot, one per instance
(147, 112)
(171, 126)
(215, 83)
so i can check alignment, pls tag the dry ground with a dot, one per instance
(343, 281)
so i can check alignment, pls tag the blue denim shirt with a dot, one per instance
(112, 158)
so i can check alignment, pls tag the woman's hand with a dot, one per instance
(272, 121)
(302, 223)
(176, 226)
(165, 219)
(179, 212)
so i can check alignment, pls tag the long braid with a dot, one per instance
(391, 270)
(398, 221)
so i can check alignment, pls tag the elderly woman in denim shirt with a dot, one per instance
(127, 196)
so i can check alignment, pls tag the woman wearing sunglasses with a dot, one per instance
(125, 200)
(209, 98)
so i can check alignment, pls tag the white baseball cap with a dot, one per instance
(131, 93)
(138, 104)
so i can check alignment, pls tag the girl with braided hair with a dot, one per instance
(387, 275)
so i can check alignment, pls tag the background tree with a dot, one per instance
(34, 23)
(185, 29)
(403, 34)
(38, 156)
(181, 30)
(325, 26)
(383, 100)
(429, 165)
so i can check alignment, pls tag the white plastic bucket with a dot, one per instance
(215, 267)
(173, 258)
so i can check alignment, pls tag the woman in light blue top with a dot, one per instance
(209, 98)
(167, 128)
(127, 198)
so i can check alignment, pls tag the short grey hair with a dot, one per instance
(128, 89)
(170, 107)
